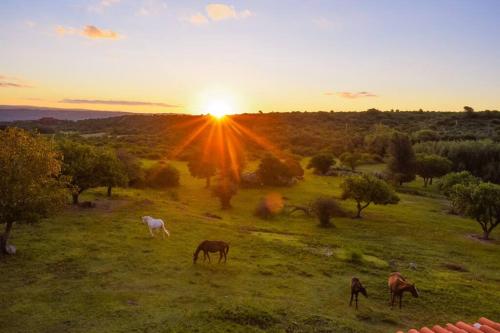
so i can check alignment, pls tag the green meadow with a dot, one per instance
(98, 270)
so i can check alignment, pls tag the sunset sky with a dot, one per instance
(184, 56)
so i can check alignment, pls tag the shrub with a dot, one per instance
(321, 163)
(269, 206)
(162, 176)
(274, 172)
(325, 208)
(431, 166)
(225, 189)
(350, 160)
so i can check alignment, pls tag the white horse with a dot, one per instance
(155, 224)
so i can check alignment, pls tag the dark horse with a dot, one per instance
(356, 288)
(211, 246)
(397, 286)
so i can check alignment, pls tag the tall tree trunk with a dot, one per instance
(358, 215)
(5, 237)
(109, 191)
(430, 181)
(75, 198)
(425, 182)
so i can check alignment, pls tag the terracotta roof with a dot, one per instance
(483, 325)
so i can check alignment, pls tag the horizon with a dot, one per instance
(154, 56)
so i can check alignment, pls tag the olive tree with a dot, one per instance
(432, 166)
(30, 184)
(110, 170)
(367, 189)
(79, 163)
(350, 160)
(203, 168)
(479, 201)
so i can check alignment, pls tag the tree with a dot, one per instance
(132, 166)
(321, 163)
(324, 208)
(110, 170)
(274, 172)
(350, 159)
(79, 163)
(200, 167)
(367, 189)
(432, 166)
(225, 189)
(402, 162)
(481, 202)
(162, 176)
(447, 182)
(425, 135)
(30, 182)
(379, 139)
(469, 111)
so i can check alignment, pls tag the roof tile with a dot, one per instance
(484, 325)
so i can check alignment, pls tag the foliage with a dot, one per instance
(425, 135)
(401, 164)
(481, 158)
(378, 140)
(110, 170)
(366, 189)
(79, 164)
(274, 172)
(321, 163)
(325, 208)
(200, 167)
(453, 178)
(269, 206)
(132, 166)
(479, 201)
(30, 182)
(225, 189)
(350, 160)
(431, 166)
(162, 176)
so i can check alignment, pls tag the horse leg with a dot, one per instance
(151, 232)
(356, 301)
(220, 256)
(204, 256)
(225, 256)
(400, 300)
(208, 256)
(393, 296)
(352, 296)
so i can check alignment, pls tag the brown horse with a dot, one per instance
(397, 286)
(211, 246)
(356, 288)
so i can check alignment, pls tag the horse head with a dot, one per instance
(363, 291)
(414, 290)
(145, 219)
(195, 257)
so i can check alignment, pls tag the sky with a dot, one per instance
(245, 56)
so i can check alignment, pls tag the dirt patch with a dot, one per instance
(478, 238)
(455, 267)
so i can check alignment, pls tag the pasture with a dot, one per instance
(98, 270)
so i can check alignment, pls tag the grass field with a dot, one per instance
(98, 270)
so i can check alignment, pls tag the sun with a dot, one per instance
(219, 108)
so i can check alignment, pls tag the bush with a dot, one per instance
(274, 172)
(225, 189)
(269, 206)
(321, 163)
(325, 208)
(162, 176)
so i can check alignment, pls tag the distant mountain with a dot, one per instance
(14, 113)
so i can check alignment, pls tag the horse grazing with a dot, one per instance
(155, 224)
(211, 246)
(356, 288)
(397, 286)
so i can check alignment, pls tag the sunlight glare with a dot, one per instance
(219, 108)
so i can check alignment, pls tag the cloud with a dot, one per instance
(30, 24)
(152, 7)
(219, 12)
(113, 102)
(352, 95)
(12, 82)
(100, 6)
(197, 19)
(89, 31)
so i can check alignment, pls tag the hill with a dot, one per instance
(10, 113)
